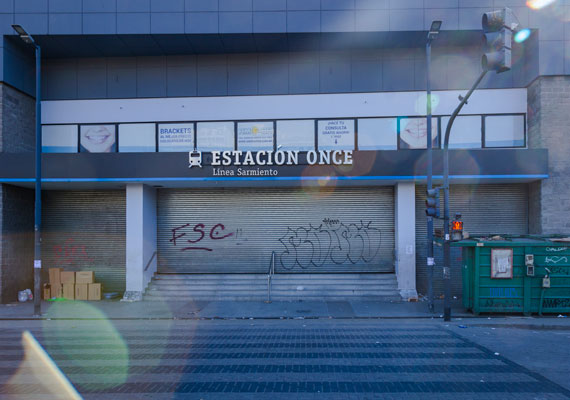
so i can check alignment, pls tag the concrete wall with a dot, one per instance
(127, 28)
(76, 17)
(373, 70)
(405, 229)
(141, 239)
(548, 122)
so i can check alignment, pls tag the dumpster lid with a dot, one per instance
(513, 240)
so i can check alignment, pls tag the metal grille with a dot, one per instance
(311, 230)
(85, 230)
(486, 209)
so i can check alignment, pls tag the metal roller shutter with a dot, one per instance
(311, 231)
(485, 209)
(85, 230)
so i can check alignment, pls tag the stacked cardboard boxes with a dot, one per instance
(72, 285)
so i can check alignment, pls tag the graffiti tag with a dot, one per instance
(502, 304)
(559, 270)
(196, 234)
(502, 292)
(555, 303)
(555, 259)
(306, 247)
(70, 254)
(556, 248)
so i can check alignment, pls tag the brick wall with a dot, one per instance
(17, 135)
(548, 126)
(17, 244)
(17, 121)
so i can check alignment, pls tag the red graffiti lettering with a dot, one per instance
(196, 248)
(174, 236)
(217, 232)
(198, 228)
(215, 235)
(70, 254)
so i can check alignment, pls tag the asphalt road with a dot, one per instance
(295, 358)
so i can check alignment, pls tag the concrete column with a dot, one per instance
(405, 227)
(548, 121)
(141, 239)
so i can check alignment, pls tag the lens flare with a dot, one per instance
(79, 344)
(319, 180)
(39, 369)
(538, 4)
(421, 103)
(522, 35)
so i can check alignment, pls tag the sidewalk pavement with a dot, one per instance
(115, 309)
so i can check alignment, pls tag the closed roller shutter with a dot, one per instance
(312, 231)
(485, 209)
(85, 230)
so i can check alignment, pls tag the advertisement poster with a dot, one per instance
(413, 133)
(296, 135)
(137, 138)
(501, 263)
(175, 137)
(255, 136)
(98, 139)
(59, 138)
(215, 136)
(337, 134)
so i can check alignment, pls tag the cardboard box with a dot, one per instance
(56, 290)
(54, 275)
(84, 277)
(94, 291)
(81, 291)
(67, 277)
(69, 291)
(47, 291)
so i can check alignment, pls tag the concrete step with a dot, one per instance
(274, 282)
(170, 287)
(224, 297)
(213, 277)
(249, 277)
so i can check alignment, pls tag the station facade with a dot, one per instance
(200, 137)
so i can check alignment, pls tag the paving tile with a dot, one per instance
(262, 360)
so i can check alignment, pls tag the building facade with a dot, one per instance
(202, 136)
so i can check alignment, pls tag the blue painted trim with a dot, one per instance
(278, 178)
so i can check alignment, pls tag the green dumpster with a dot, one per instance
(516, 274)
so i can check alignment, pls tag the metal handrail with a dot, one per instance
(150, 261)
(270, 273)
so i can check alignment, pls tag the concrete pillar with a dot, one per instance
(405, 228)
(548, 121)
(141, 239)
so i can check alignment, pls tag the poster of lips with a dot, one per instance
(98, 139)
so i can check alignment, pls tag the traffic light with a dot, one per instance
(432, 203)
(498, 28)
(457, 228)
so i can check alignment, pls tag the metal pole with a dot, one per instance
(38, 189)
(430, 261)
(446, 242)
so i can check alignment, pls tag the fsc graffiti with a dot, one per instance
(332, 240)
(196, 234)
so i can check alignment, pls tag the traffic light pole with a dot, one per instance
(430, 260)
(446, 243)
